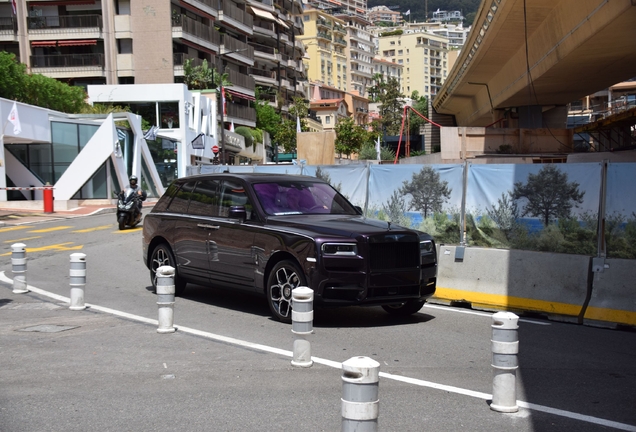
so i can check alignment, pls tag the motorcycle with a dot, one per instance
(128, 213)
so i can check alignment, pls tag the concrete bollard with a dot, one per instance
(505, 346)
(165, 299)
(360, 403)
(78, 281)
(302, 325)
(19, 268)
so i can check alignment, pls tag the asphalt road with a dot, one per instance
(114, 373)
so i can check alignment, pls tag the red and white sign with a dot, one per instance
(215, 149)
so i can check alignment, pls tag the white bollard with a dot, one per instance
(302, 325)
(505, 346)
(19, 268)
(165, 299)
(360, 402)
(77, 281)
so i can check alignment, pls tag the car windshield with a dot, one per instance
(307, 197)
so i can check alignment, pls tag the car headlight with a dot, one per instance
(349, 249)
(426, 246)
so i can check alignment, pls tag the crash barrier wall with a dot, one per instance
(479, 200)
(557, 285)
(613, 298)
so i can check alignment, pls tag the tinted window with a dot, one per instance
(179, 203)
(233, 194)
(162, 204)
(301, 198)
(205, 199)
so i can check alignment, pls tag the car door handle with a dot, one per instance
(214, 227)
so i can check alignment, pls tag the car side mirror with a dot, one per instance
(358, 208)
(238, 212)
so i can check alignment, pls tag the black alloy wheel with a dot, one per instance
(162, 256)
(284, 277)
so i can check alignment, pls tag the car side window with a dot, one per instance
(205, 199)
(163, 202)
(233, 194)
(179, 203)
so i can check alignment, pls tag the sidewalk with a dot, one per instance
(16, 215)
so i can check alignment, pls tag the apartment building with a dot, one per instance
(382, 14)
(360, 52)
(424, 58)
(325, 40)
(87, 42)
(347, 7)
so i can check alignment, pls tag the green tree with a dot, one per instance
(37, 89)
(203, 77)
(420, 104)
(391, 105)
(13, 75)
(548, 194)
(350, 137)
(285, 135)
(267, 118)
(505, 214)
(427, 191)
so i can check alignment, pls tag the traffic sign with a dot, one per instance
(215, 149)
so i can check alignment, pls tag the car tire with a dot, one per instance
(282, 279)
(404, 309)
(162, 256)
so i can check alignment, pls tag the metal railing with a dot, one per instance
(67, 60)
(196, 28)
(240, 111)
(178, 59)
(236, 46)
(241, 80)
(8, 24)
(64, 21)
(236, 14)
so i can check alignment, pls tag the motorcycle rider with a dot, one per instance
(135, 187)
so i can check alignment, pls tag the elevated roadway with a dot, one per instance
(525, 60)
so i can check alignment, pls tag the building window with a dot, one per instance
(328, 119)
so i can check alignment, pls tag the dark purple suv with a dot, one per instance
(270, 233)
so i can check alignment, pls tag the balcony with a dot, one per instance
(240, 112)
(324, 35)
(68, 61)
(237, 50)
(340, 41)
(265, 52)
(8, 28)
(267, 77)
(264, 27)
(241, 82)
(64, 22)
(195, 31)
(236, 18)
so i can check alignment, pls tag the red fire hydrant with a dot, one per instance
(47, 195)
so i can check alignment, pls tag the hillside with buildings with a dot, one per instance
(418, 8)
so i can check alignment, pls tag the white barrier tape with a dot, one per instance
(302, 316)
(77, 272)
(360, 410)
(504, 347)
(26, 188)
(18, 261)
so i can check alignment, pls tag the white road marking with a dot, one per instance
(335, 364)
(486, 314)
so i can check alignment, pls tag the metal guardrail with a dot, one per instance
(64, 21)
(67, 60)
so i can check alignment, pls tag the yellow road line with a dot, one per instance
(45, 230)
(60, 247)
(103, 227)
(13, 228)
(22, 239)
(128, 230)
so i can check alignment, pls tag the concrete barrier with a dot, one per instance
(497, 279)
(613, 299)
